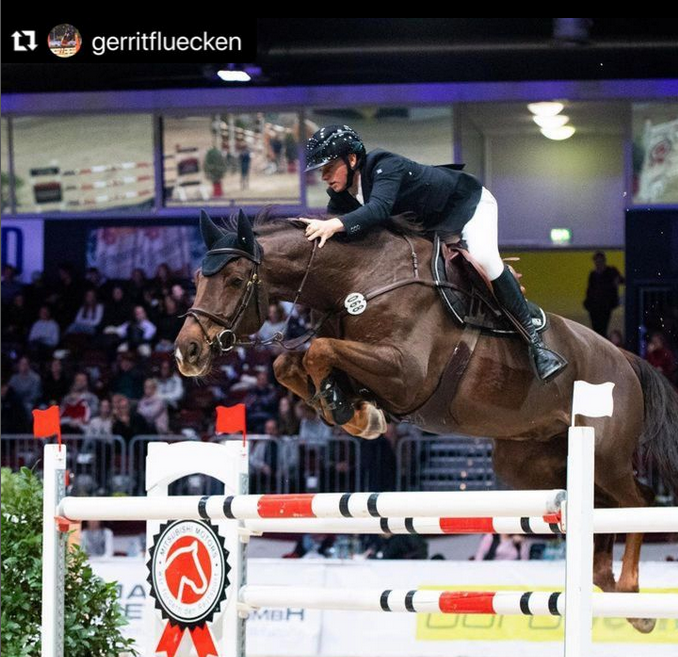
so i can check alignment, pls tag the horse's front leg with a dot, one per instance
(289, 371)
(366, 420)
(377, 366)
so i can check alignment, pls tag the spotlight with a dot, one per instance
(551, 121)
(563, 132)
(545, 109)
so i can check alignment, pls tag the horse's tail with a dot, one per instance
(659, 438)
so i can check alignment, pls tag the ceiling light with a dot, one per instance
(551, 121)
(234, 76)
(545, 109)
(563, 132)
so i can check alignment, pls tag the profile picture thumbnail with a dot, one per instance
(64, 40)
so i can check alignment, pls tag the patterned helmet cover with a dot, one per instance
(331, 142)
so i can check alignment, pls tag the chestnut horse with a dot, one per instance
(387, 361)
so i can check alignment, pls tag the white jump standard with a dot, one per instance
(230, 520)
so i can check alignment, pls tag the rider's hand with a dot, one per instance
(324, 229)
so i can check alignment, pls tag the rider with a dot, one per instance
(367, 188)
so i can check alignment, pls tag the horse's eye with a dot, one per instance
(237, 282)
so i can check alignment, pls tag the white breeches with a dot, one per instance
(480, 234)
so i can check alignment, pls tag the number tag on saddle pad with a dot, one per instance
(355, 303)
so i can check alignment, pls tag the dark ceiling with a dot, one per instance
(349, 51)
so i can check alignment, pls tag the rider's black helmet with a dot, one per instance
(331, 142)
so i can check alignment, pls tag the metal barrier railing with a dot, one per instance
(292, 465)
(97, 464)
(106, 464)
(440, 463)
(283, 464)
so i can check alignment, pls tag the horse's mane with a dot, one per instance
(267, 221)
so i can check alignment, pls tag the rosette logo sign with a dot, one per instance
(188, 574)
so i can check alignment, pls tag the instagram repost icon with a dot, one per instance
(64, 40)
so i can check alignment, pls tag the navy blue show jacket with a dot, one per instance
(442, 197)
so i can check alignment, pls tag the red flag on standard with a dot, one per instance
(231, 419)
(47, 423)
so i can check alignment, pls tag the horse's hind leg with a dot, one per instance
(528, 464)
(631, 493)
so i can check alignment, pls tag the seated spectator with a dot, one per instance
(261, 403)
(138, 285)
(27, 385)
(170, 385)
(288, 421)
(152, 306)
(169, 325)
(163, 281)
(246, 376)
(152, 407)
(93, 279)
(275, 322)
(660, 356)
(299, 323)
(264, 460)
(402, 546)
(137, 332)
(36, 293)
(118, 310)
(126, 422)
(128, 380)
(79, 406)
(102, 423)
(312, 430)
(178, 293)
(89, 316)
(10, 285)
(96, 540)
(55, 384)
(66, 296)
(14, 417)
(502, 547)
(44, 334)
(16, 321)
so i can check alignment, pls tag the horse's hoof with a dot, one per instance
(643, 625)
(373, 421)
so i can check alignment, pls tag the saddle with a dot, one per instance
(470, 301)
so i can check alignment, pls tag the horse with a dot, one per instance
(378, 357)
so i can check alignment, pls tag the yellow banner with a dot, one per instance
(487, 627)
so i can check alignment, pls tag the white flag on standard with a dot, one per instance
(592, 400)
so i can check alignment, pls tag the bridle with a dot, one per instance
(227, 339)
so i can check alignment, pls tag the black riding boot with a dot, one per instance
(547, 363)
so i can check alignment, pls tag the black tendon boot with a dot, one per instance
(547, 363)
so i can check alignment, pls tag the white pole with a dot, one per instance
(53, 553)
(537, 603)
(499, 525)
(646, 520)
(605, 521)
(235, 622)
(579, 528)
(457, 504)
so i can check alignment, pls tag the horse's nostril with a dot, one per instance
(193, 350)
